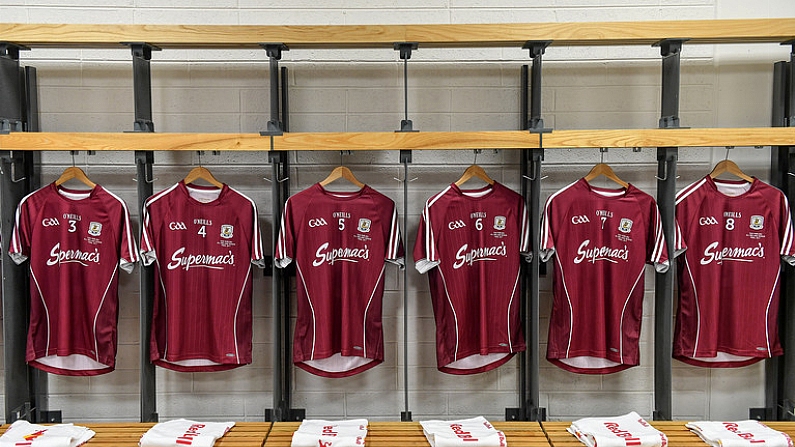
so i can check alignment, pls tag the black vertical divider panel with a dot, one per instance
(280, 282)
(142, 91)
(529, 389)
(780, 386)
(667, 157)
(24, 386)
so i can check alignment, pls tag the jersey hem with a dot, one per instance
(203, 368)
(334, 375)
(482, 369)
(738, 364)
(605, 370)
(70, 372)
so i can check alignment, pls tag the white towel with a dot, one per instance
(323, 433)
(59, 435)
(475, 431)
(629, 430)
(183, 432)
(739, 434)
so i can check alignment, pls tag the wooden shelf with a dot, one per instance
(383, 36)
(335, 141)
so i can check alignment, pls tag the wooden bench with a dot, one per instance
(393, 434)
(409, 434)
(678, 434)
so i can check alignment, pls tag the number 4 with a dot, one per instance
(203, 231)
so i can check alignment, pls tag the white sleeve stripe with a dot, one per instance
(146, 244)
(394, 236)
(545, 229)
(256, 241)
(689, 189)
(659, 243)
(430, 241)
(16, 244)
(525, 243)
(132, 249)
(280, 251)
(786, 245)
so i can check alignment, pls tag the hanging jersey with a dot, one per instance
(469, 242)
(729, 277)
(339, 242)
(202, 241)
(76, 242)
(602, 240)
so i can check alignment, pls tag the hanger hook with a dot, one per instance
(200, 157)
(14, 174)
(728, 148)
(477, 151)
(73, 157)
(602, 151)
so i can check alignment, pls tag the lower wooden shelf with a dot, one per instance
(335, 141)
(394, 434)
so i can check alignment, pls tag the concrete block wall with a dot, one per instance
(361, 90)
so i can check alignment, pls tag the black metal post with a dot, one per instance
(25, 389)
(142, 93)
(282, 365)
(780, 383)
(274, 52)
(405, 415)
(667, 157)
(533, 410)
(537, 49)
(405, 49)
(529, 361)
(779, 166)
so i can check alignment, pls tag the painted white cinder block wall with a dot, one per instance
(361, 90)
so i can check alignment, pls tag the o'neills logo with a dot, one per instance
(57, 256)
(190, 433)
(734, 428)
(742, 254)
(629, 439)
(323, 254)
(205, 261)
(469, 257)
(584, 253)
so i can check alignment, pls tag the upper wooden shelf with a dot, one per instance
(380, 36)
(335, 141)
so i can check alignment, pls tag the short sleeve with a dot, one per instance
(257, 254)
(785, 231)
(394, 250)
(656, 250)
(148, 254)
(285, 244)
(425, 250)
(547, 237)
(128, 249)
(19, 251)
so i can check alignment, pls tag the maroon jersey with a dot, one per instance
(736, 233)
(339, 242)
(76, 242)
(602, 240)
(469, 242)
(203, 241)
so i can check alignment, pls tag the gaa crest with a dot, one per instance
(757, 222)
(499, 222)
(227, 231)
(364, 225)
(94, 228)
(625, 226)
